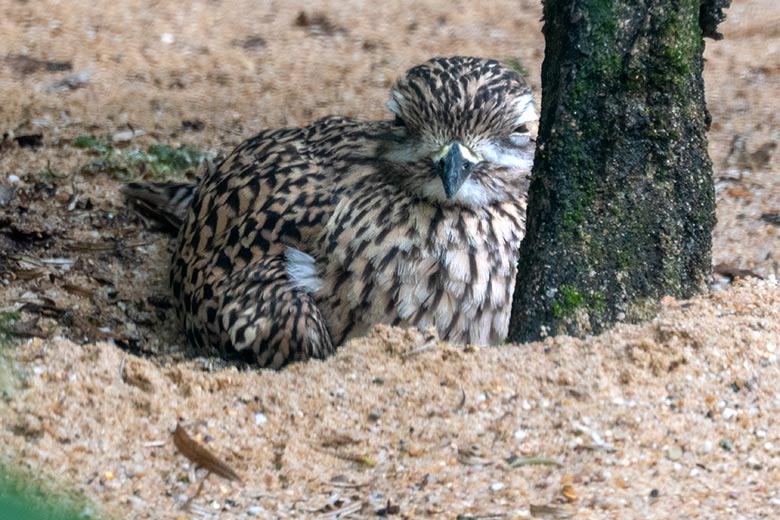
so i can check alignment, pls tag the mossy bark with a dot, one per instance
(622, 204)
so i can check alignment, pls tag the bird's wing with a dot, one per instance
(276, 187)
(229, 275)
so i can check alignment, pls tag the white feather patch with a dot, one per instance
(473, 193)
(393, 107)
(470, 192)
(519, 158)
(393, 104)
(302, 270)
(527, 110)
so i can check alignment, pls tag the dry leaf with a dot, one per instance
(201, 456)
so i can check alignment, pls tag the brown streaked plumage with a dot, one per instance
(304, 237)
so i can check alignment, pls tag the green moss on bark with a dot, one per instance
(572, 304)
(568, 301)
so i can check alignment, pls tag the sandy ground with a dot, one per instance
(676, 418)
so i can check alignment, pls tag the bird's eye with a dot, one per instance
(522, 129)
(398, 121)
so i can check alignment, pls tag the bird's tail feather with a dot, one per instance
(165, 203)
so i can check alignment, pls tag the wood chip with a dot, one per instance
(79, 290)
(471, 456)
(337, 439)
(773, 217)
(545, 511)
(28, 329)
(568, 493)
(731, 272)
(516, 462)
(738, 192)
(340, 481)
(344, 511)
(105, 246)
(428, 345)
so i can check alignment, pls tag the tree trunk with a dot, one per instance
(622, 203)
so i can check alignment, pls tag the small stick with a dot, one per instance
(428, 345)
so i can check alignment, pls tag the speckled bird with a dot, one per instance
(305, 237)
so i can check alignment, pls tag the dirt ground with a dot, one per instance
(675, 418)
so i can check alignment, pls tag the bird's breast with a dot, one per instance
(392, 259)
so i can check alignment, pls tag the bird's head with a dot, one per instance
(468, 125)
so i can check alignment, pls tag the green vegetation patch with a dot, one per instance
(158, 161)
(22, 500)
(7, 320)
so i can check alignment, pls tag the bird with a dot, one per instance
(305, 237)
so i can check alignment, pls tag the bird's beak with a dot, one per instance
(454, 163)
